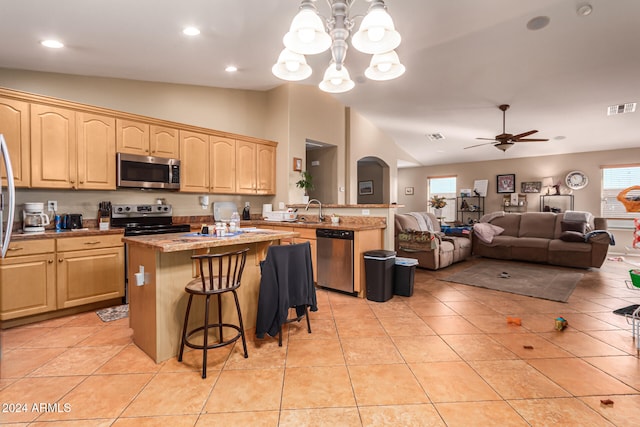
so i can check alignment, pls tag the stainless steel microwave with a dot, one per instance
(135, 171)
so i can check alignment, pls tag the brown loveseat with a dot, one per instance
(544, 237)
(432, 249)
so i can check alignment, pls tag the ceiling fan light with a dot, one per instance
(384, 66)
(336, 81)
(291, 66)
(503, 146)
(307, 34)
(376, 34)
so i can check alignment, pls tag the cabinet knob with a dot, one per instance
(50, 261)
(60, 259)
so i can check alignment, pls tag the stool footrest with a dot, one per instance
(213, 327)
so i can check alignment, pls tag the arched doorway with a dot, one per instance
(373, 181)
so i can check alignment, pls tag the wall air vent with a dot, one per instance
(614, 110)
(435, 136)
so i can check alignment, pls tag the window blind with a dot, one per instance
(615, 180)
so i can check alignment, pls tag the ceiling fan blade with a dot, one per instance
(523, 134)
(487, 139)
(480, 145)
(530, 140)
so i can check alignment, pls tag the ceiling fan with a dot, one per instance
(504, 141)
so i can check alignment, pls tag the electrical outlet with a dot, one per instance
(52, 205)
(365, 211)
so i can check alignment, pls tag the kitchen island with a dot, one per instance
(157, 307)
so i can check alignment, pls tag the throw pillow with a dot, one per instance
(580, 227)
(572, 236)
(486, 231)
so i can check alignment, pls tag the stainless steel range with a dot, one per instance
(140, 220)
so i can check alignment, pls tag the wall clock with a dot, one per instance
(576, 180)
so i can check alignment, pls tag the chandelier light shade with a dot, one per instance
(310, 34)
(291, 66)
(336, 80)
(384, 66)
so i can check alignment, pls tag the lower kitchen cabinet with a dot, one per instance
(28, 279)
(45, 275)
(90, 269)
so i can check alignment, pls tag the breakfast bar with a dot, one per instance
(159, 268)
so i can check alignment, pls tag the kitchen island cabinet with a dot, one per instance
(157, 307)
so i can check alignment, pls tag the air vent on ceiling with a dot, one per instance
(435, 136)
(613, 110)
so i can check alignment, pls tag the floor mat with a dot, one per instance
(626, 310)
(113, 313)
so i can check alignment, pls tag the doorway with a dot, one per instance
(322, 164)
(373, 181)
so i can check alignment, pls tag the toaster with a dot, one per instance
(72, 221)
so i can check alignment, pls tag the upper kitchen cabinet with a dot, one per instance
(147, 140)
(53, 147)
(14, 125)
(255, 168)
(223, 165)
(96, 151)
(194, 162)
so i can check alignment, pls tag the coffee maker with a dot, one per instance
(34, 220)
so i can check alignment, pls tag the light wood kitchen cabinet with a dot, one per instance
(14, 125)
(223, 165)
(139, 138)
(53, 147)
(89, 269)
(28, 279)
(309, 235)
(96, 152)
(255, 168)
(194, 162)
(164, 142)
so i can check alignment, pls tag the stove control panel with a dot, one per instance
(136, 211)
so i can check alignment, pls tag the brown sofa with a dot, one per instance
(539, 237)
(432, 249)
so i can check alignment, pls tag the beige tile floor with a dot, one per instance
(443, 357)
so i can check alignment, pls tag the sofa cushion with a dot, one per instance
(580, 227)
(572, 236)
(486, 231)
(537, 224)
(510, 223)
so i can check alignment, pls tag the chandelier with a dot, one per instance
(309, 35)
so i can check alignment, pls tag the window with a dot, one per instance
(614, 180)
(443, 187)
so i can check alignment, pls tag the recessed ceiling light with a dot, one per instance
(53, 44)
(584, 10)
(191, 31)
(538, 23)
(231, 69)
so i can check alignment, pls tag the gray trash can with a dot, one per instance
(378, 268)
(403, 274)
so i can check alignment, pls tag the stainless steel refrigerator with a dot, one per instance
(7, 199)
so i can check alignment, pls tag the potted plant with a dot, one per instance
(437, 203)
(306, 183)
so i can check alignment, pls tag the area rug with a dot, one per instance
(533, 280)
(624, 311)
(113, 313)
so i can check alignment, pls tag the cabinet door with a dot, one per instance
(96, 151)
(266, 169)
(132, 137)
(245, 167)
(53, 147)
(93, 275)
(223, 165)
(163, 142)
(28, 285)
(194, 162)
(14, 125)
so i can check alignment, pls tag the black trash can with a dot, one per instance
(378, 268)
(403, 274)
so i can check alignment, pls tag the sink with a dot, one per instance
(308, 222)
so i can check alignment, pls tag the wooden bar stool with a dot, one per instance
(219, 273)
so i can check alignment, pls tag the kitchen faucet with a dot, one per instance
(320, 216)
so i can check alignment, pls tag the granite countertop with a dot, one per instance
(340, 226)
(53, 234)
(176, 242)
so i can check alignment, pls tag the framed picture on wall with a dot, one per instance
(365, 188)
(506, 183)
(530, 187)
(408, 191)
(297, 164)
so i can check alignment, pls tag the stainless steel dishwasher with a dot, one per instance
(335, 259)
